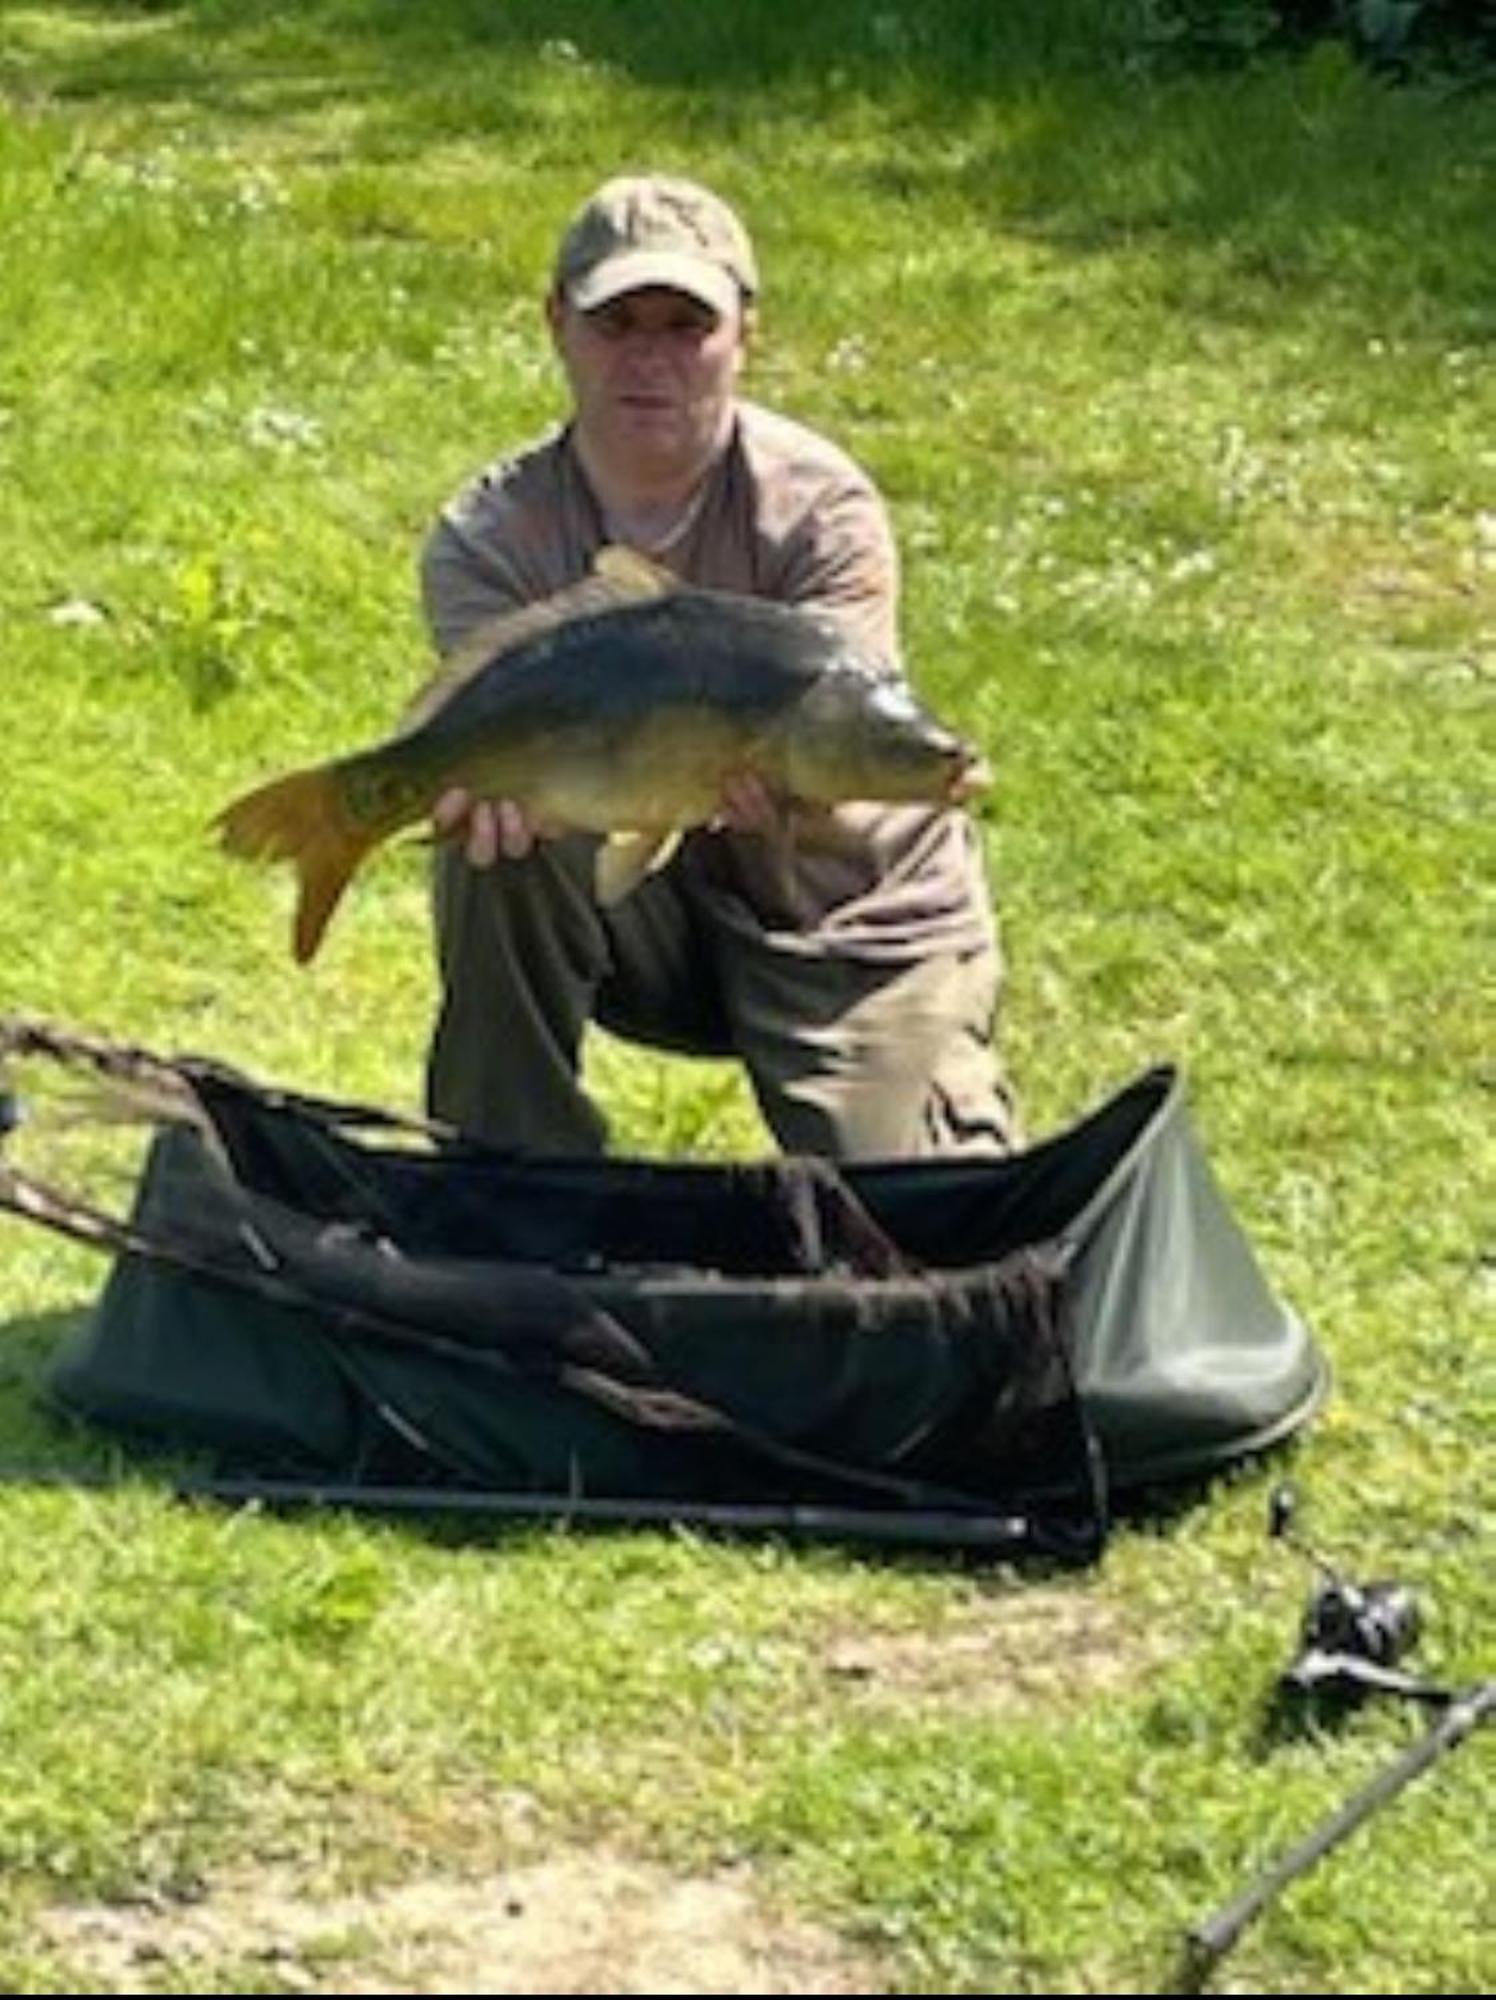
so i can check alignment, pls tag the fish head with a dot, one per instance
(854, 736)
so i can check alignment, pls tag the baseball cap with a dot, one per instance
(655, 229)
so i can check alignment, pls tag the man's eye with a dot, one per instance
(608, 322)
(685, 325)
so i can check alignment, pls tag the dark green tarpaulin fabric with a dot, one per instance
(331, 1301)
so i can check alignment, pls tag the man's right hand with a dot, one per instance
(487, 828)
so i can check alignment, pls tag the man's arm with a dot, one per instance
(842, 562)
(463, 584)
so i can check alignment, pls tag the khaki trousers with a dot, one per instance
(848, 1059)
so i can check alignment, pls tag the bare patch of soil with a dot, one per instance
(1031, 1647)
(594, 1923)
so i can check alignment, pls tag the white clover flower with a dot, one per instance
(76, 611)
(272, 427)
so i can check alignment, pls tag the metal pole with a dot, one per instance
(1209, 1941)
(995, 1533)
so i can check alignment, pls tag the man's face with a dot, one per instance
(652, 374)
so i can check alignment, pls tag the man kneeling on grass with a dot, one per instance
(858, 985)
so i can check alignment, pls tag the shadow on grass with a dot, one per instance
(42, 1444)
(962, 46)
(1304, 178)
(41, 1441)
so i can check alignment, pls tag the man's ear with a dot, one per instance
(555, 306)
(747, 328)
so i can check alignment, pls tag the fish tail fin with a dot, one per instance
(303, 819)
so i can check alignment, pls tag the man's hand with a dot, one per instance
(748, 806)
(491, 828)
(488, 828)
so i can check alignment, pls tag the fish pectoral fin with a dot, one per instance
(633, 575)
(624, 859)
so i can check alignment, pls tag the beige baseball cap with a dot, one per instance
(656, 229)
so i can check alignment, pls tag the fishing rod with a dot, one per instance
(1209, 1941)
(992, 1534)
(1352, 1637)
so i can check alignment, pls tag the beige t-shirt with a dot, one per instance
(783, 514)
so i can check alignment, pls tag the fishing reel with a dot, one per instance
(1351, 1638)
(1371, 1621)
(1352, 1635)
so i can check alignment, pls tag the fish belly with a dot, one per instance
(663, 769)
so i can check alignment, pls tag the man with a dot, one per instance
(857, 985)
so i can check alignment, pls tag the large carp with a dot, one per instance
(618, 707)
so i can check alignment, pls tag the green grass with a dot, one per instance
(1182, 393)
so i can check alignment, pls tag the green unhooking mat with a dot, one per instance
(975, 1351)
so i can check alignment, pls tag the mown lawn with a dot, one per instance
(1181, 388)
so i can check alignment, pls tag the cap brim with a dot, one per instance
(639, 270)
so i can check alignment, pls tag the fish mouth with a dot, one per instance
(972, 775)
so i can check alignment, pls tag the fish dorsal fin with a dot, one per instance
(635, 576)
(619, 576)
